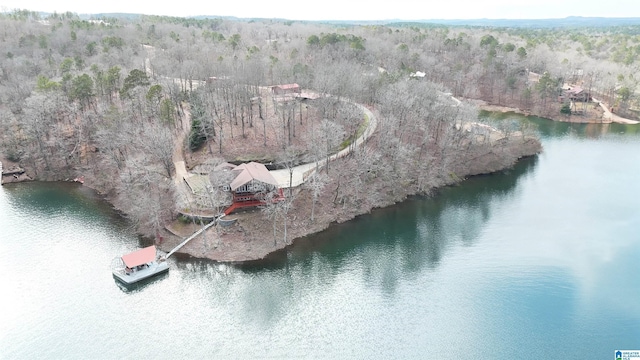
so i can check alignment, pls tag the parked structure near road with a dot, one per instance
(285, 89)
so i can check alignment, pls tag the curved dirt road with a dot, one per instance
(613, 117)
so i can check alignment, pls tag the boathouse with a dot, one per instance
(140, 257)
(250, 185)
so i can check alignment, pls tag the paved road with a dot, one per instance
(285, 180)
(298, 175)
(608, 115)
(302, 172)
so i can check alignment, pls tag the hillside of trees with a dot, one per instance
(106, 97)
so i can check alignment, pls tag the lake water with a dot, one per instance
(541, 261)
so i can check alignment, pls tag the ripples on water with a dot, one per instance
(537, 261)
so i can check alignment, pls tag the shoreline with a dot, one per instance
(251, 238)
(11, 172)
(606, 117)
(225, 249)
(570, 119)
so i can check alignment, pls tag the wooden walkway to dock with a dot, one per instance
(185, 241)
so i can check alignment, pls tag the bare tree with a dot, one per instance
(330, 136)
(289, 158)
(157, 142)
(274, 211)
(145, 196)
(315, 183)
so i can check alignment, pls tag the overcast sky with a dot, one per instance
(344, 9)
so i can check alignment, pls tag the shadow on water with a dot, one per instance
(399, 241)
(140, 285)
(59, 198)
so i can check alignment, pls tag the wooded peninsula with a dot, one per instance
(156, 113)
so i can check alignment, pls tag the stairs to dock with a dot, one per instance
(185, 241)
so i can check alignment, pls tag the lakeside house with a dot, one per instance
(252, 182)
(252, 185)
(574, 93)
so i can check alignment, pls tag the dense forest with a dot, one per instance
(105, 97)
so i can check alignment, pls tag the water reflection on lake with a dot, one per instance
(537, 261)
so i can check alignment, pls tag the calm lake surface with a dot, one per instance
(538, 262)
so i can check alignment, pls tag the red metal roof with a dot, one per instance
(140, 257)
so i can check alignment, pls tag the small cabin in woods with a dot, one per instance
(574, 93)
(285, 89)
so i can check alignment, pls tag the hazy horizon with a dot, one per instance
(354, 11)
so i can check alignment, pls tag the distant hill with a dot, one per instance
(111, 15)
(571, 21)
(567, 22)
